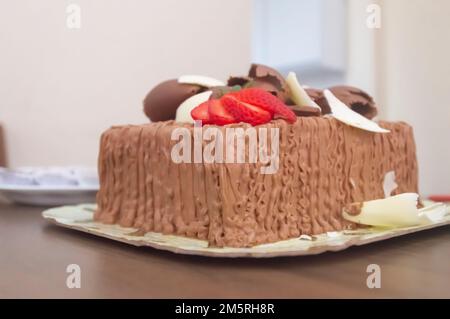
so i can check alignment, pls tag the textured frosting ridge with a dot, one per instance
(324, 165)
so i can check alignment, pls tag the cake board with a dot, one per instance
(80, 218)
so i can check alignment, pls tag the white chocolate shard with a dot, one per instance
(395, 211)
(433, 213)
(343, 113)
(183, 114)
(298, 93)
(201, 80)
(389, 184)
(334, 234)
(305, 237)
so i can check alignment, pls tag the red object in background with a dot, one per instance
(439, 198)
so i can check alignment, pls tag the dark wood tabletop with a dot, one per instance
(34, 255)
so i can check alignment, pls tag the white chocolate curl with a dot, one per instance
(298, 93)
(201, 80)
(183, 114)
(343, 113)
(396, 211)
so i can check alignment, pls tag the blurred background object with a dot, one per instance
(62, 87)
(305, 36)
(2, 148)
(49, 186)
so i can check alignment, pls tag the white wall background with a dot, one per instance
(362, 51)
(414, 81)
(406, 64)
(334, 36)
(60, 88)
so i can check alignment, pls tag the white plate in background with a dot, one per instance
(49, 186)
(49, 196)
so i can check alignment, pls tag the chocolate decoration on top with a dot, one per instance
(263, 77)
(270, 80)
(268, 74)
(304, 110)
(358, 100)
(162, 101)
(238, 80)
(317, 96)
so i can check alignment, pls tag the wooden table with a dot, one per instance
(34, 255)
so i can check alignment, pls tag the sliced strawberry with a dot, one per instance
(218, 114)
(244, 112)
(200, 113)
(258, 97)
(266, 101)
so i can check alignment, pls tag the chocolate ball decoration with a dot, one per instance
(269, 79)
(265, 78)
(356, 99)
(162, 101)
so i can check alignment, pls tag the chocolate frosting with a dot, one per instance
(324, 165)
(358, 100)
(162, 101)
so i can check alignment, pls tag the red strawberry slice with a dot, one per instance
(266, 101)
(244, 112)
(218, 114)
(200, 113)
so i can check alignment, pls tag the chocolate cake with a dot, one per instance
(322, 166)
